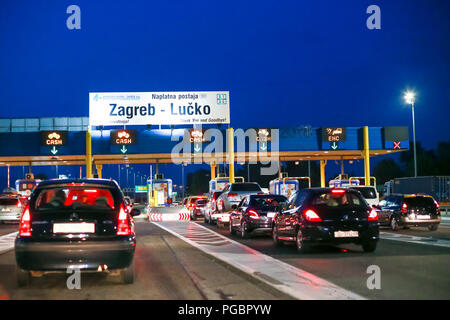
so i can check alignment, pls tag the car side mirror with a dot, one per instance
(234, 207)
(135, 212)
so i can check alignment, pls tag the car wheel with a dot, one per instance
(23, 277)
(230, 227)
(394, 224)
(275, 239)
(369, 246)
(244, 232)
(302, 247)
(433, 227)
(128, 274)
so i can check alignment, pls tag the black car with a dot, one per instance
(254, 214)
(327, 216)
(76, 223)
(409, 210)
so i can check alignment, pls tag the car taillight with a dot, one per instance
(232, 194)
(404, 208)
(25, 224)
(260, 193)
(123, 227)
(438, 208)
(253, 214)
(373, 215)
(19, 204)
(337, 191)
(310, 215)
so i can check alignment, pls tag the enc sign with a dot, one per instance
(123, 137)
(334, 134)
(53, 138)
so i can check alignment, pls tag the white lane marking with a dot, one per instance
(286, 278)
(415, 239)
(7, 242)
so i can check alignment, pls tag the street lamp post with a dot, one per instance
(410, 99)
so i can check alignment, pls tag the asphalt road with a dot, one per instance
(408, 270)
(166, 267)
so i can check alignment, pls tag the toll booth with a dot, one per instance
(342, 181)
(219, 183)
(26, 186)
(159, 192)
(287, 186)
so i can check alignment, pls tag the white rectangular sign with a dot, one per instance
(141, 108)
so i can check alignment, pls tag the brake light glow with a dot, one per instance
(438, 208)
(90, 190)
(310, 215)
(337, 191)
(373, 215)
(25, 224)
(123, 227)
(232, 194)
(404, 208)
(253, 214)
(260, 193)
(19, 204)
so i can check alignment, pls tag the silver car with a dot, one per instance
(234, 192)
(11, 208)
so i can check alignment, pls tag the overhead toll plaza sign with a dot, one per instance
(158, 108)
(123, 137)
(53, 138)
(334, 134)
(396, 138)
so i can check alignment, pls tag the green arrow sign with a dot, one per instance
(263, 146)
(54, 150)
(334, 145)
(123, 149)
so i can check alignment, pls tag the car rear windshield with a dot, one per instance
(245, 187)
(338, 199)
(194, 199)
(8, 202)
(63, 198)
(201, 203)
(419, 201)
(367, 192)
(216, 195)
(268, 203)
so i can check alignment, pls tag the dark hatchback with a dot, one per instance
(255, 213)
(409, 210)
(327, 216)
(76, 223)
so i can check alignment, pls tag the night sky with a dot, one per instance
(285, 63)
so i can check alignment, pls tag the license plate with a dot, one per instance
(225, 218)
(423, 217)
(82, 227)
(271, 214)
(346, 234)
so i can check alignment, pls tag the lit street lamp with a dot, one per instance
(410, 99)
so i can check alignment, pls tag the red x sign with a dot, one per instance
(396, 144)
